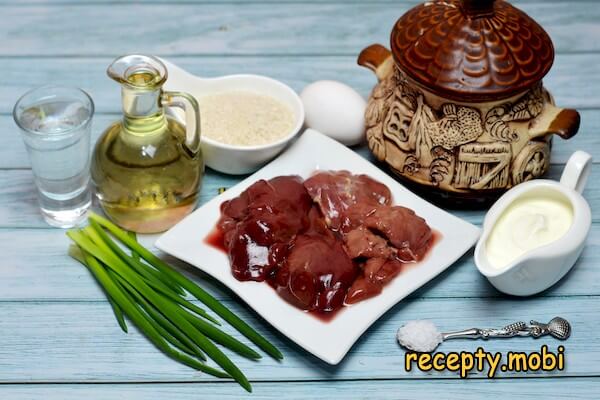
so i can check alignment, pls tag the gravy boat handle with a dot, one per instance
(577, 171)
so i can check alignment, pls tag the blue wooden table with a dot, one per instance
(58, 337)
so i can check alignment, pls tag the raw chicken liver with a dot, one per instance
(377, 236)
(316, 274)
(330, 240)
(404, 230)
(344, 199)
(259, 224)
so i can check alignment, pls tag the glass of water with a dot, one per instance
(55, 123)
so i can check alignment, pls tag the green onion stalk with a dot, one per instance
(151, 294)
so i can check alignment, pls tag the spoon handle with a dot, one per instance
(476, 333)
(519, 328)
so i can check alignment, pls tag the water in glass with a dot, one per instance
(56, 132)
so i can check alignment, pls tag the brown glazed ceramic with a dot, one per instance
(460, 106)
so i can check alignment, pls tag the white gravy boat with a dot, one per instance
(541, 267)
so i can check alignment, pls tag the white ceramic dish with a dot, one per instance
(223, 157)
(542, 267)
(331, 340)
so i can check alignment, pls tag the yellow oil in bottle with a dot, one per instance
(145, 175)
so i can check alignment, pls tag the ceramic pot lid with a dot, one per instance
(471, 50)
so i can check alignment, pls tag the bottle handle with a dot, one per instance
(189, 105)
(577, 171)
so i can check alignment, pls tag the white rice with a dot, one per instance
(244, 118)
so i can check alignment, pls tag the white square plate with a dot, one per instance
(330, 340)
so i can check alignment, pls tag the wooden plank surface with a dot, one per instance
(88, 346)
(59, 338)
(375, 3)
(255, 28)
(586, 388)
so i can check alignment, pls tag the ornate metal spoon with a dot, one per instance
(423, 335)
(557, 327)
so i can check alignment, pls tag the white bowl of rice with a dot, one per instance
(246, 120)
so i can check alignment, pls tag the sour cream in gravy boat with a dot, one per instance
(533, 235)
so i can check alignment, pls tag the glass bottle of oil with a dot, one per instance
(147, 168)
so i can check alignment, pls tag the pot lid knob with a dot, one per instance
(478, 8)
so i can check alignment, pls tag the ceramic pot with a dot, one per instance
(460, 108)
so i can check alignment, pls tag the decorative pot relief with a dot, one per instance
(457, 146)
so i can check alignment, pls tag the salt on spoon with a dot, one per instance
(423, 336)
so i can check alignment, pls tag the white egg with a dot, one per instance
(336, 110)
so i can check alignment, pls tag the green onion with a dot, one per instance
(76, 253)
(169, 331)
(134, 255)
(222, 338)
(136, 263)
(169, 309)
(134, 313)
(151, 276)
(98, 236)
(152, 295)
(191, 287)
(118, 315)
